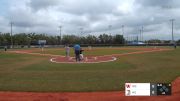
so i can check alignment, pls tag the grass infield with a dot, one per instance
(23, 72)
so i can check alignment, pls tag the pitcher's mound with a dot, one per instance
(89, 59)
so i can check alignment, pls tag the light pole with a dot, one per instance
(11, 34)
(60, 29)
(172, 21)
(110, 26)
(142, 33)
(123, 34)
(81, 31)
(122, 30)
(29, 41)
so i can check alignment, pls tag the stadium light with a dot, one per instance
(172, 21)
(110, 26)
(122, 30)
(11, 23)
(142, 33)
(81, 31)
(60, 29)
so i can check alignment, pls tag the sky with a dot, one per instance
(92, 17)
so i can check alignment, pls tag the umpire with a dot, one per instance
(77, 48)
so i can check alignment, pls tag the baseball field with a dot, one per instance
(36, 74)
(31, 70)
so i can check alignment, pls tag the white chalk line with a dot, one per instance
(113, 55)
(86, 62)
(129, 53)
(137, 52)
(21, 52)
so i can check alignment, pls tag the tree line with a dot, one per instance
(32, 39)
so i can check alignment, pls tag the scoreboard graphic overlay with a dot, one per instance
(147, 89)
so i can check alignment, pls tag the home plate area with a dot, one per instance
(88, 59)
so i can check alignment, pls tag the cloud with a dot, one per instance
(44, 16)
(159, 3)
(42, 4)
(80, 7)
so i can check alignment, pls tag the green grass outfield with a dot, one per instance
(22, 72)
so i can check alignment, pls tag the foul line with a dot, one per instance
(138, 52)
(113, 55)
(20, 52)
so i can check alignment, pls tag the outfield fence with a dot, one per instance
(86, 45)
